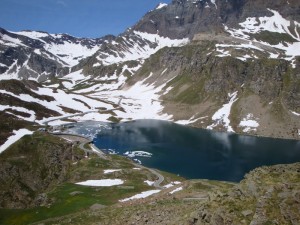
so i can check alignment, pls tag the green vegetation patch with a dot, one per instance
(185, 90)
(273, 38)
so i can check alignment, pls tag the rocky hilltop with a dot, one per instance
(37, 164)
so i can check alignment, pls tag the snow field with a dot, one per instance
(222, 115)
(135, 51)
(276, 24)
(111, 171)
(144, 194)
(102, 183)
(150, 183)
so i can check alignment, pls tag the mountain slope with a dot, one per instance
(185, 18)
(218, 93)
(203, 63)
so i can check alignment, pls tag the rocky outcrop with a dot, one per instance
(185, 18)
(30, 167)
(267, 195)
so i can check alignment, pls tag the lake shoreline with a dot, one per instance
(219, 147)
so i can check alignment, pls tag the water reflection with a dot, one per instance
(194, 153)
(247, 140)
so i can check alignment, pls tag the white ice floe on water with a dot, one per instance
(176, 190)
(137, 153)
(111, 171)
(248, 123)
(101, 183)
(138, 161)
(18, 134)
(221, 117)
(144, 194)
(111, 151)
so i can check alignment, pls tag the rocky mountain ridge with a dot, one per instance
(185, 18)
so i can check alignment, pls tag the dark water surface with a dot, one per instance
(196, 153)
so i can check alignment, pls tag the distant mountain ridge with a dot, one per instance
(185, 18)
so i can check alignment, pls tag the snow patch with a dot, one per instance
(101, 183)
(176, 190)
(214, 2)
(150, 183)
(111, 171)
(18, 134)
(193, 119)
(222, 115)
(297, 114)
(172, 184)
(32, 34)
(136, 168)
(161, 5)
(144, 194)
(249, 123)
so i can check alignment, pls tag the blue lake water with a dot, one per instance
(196, 153)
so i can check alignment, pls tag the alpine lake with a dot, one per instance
(189, 152)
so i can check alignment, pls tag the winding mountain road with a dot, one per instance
(161, 178)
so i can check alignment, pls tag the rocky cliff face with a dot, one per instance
(198, 84)
(266, 195)
(31, 167)
(185, 18)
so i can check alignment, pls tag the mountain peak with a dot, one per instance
(161, 5)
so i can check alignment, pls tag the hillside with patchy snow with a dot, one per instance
(203, 63)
